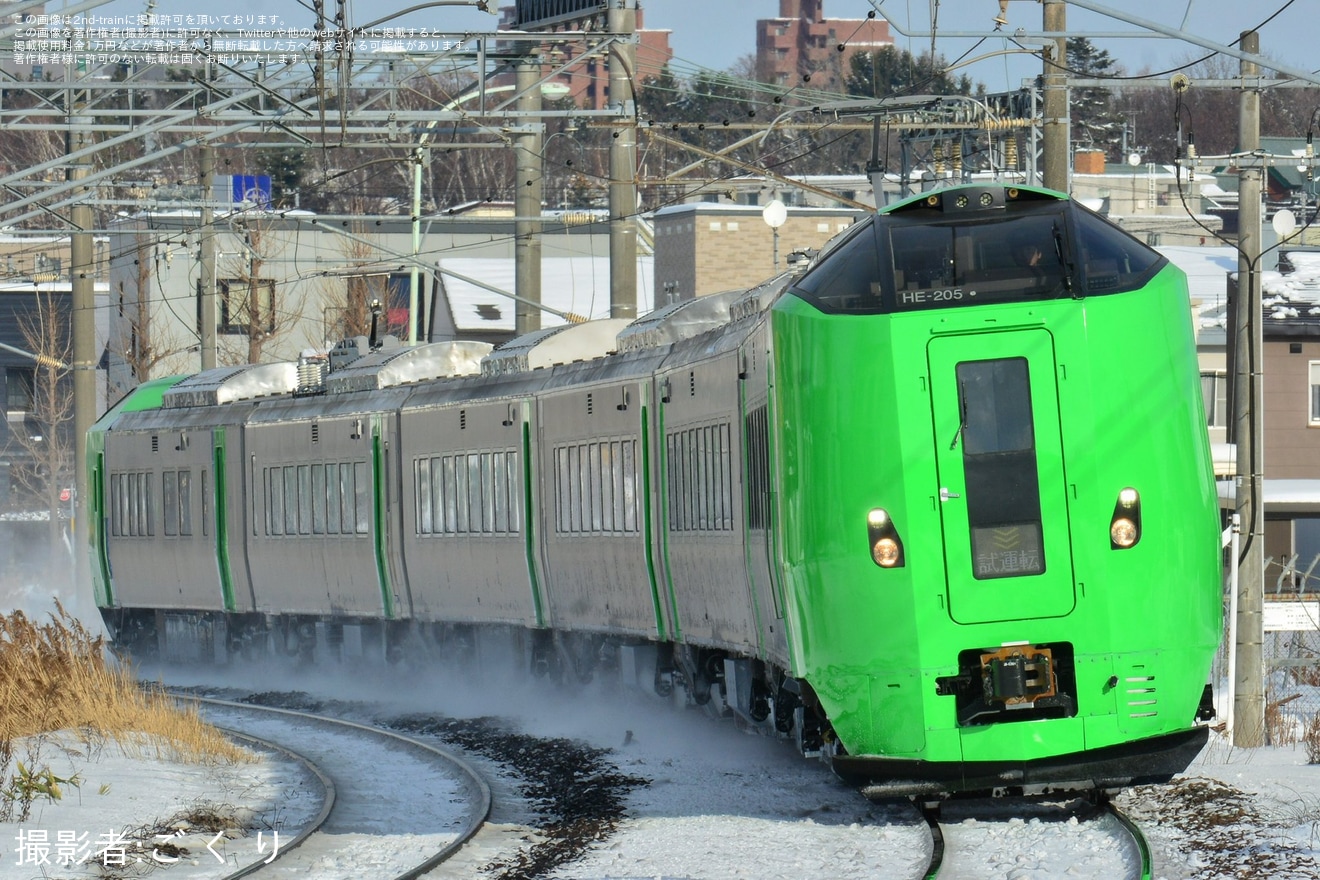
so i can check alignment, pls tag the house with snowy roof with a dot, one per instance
(1290, 366)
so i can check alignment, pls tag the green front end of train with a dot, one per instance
(1000, 531)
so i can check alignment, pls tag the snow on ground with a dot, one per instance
(720, 804)
(122, 808)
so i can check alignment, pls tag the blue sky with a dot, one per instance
(716, 33)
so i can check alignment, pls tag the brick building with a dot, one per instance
(802, 42)
(704, 248)
(588, 80)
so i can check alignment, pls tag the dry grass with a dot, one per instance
(1311, 738)
(1280, 724)
(54, 676)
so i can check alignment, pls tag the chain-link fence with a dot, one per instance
(1290, 652)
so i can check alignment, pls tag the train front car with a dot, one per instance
(1000, 531)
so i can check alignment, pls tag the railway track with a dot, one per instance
(571, 817)
(1090, 837)
(395, 807)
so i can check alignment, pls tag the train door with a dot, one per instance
(1001, 492)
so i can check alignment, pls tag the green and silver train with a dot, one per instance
(939, 508)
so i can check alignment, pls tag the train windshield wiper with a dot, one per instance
(962, 414)
(1065, 259)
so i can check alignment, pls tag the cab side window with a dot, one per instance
(847, 278)
(1112, 261)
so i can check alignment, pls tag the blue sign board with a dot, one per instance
(252, 188)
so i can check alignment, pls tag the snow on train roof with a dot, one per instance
(555, 345)
(399, 366)
(228, 384)
(692, 317)
(680, 320)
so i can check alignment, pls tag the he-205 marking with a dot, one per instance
(947, 294)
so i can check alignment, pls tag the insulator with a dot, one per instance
(1011, 153)
(939, 158)
(311, 373)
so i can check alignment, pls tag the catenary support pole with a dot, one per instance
(623, 161)
(206, 259)
(1054, 130)
(82, 274)
(1248, 422)
(527, 199)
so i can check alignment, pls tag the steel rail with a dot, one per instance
(327, 802)
(931, 813)
(1139, 839)
(476, 817)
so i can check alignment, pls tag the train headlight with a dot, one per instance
(1125, 525)
(886, 546)
(885, 552)
(1123, 533)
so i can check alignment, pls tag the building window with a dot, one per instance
(1315, 392)
(1306, 544)
(235, 296)
(246, 304)
(1214, 391)
(393, 290)
(19, 383)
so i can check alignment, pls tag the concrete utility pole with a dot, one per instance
(527, 198)
(1248, 420)
(206, 256)
(82, 276)
(419, 162)
(623, 161)
(1055, 129)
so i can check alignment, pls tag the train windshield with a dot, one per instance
(1048, 251)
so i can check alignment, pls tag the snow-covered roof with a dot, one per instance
(1207, 271)
(1206, 267)
(1302, 284)
(1292, 496)
(579, 285)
